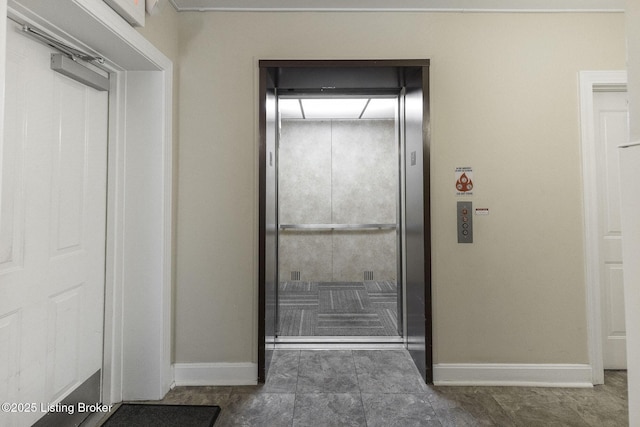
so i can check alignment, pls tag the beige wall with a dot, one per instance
(633, 58)
(504, 101)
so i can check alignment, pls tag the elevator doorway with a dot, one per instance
(339, 246)
(407, 82)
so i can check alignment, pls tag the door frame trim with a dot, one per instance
(263, 65)
(137, 335)
(589, 81)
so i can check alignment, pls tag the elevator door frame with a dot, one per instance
(270, 72)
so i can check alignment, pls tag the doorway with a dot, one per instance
(53, 230)
(603, 112)
(283, 231)
(338, 233)
(611, 130)
(137, 345)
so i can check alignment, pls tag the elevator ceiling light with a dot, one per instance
(381, 108)
(333, 108)
(290, 108)
(338, 108)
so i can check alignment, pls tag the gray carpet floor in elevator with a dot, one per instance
(338, 308)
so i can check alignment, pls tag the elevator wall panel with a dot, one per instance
(364, 171)
(305, 172)
(338, 172)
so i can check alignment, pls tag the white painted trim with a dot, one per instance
(588, 80)
(522, 6)
(521, 375)
(114, 277)
(137, 263)
(3, 67)
(209, 374)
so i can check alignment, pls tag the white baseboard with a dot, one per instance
(203, 374)
(524, 375)
(445, 374)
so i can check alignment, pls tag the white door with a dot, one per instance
(52, 232)
(611, 130)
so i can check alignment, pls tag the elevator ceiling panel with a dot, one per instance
(336, 79)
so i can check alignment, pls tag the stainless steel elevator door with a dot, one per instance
(417, 223)
(268, 269)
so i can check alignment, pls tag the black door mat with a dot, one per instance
(142, 415)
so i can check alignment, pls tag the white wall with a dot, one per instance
(504, 100)
(631, 203)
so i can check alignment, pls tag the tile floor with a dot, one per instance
(383, 388)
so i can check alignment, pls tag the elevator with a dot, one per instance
(344, 233)
(338, 230)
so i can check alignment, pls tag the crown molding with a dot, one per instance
(519, 6)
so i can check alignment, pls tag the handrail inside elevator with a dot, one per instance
(339, 227)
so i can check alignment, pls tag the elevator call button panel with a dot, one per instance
(465, 222)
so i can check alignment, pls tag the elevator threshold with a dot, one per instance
(339, 343)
